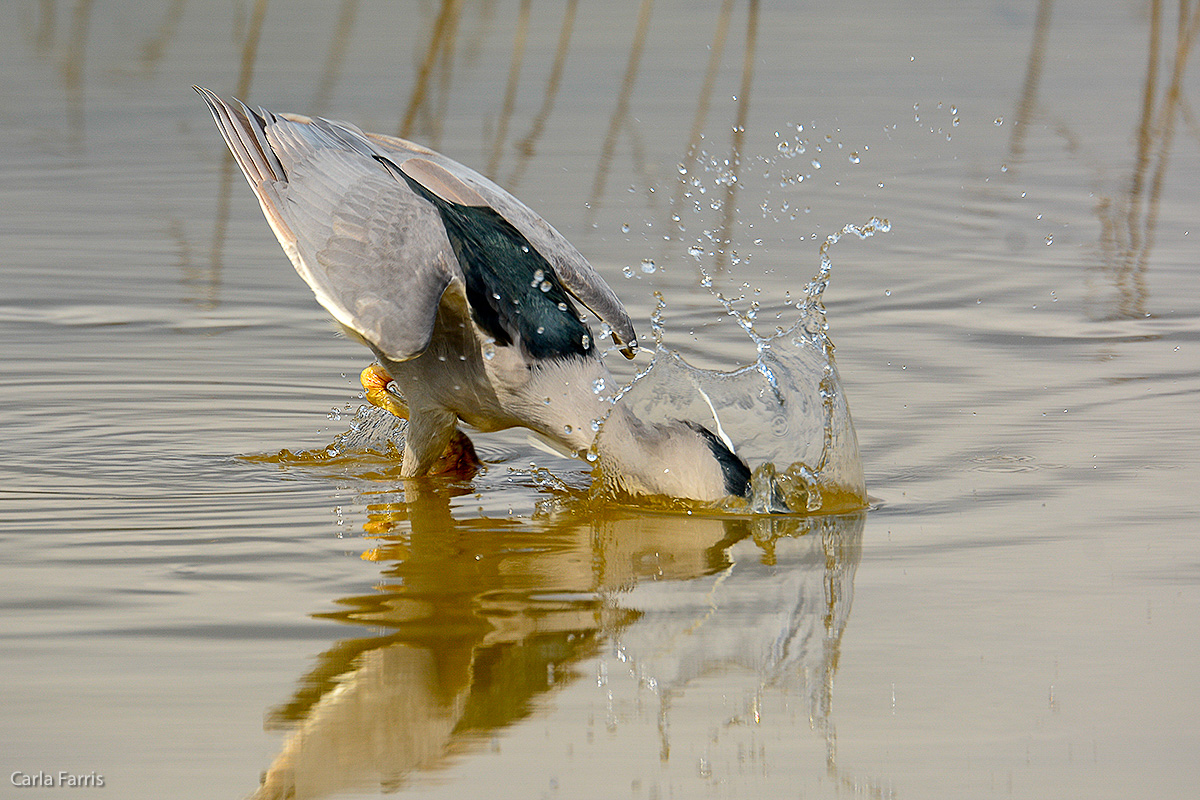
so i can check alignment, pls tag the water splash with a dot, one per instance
(786, 413)
(372, 446)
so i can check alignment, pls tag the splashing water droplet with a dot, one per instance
(786, 408)
(648, 266)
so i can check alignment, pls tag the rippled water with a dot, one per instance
(190, 613)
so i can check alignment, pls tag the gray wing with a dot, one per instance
(577, 275)
(375, 255)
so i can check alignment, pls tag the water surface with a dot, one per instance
(1014, 616)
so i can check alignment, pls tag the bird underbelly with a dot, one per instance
(451, 382)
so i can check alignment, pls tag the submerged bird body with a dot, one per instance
(468, 299)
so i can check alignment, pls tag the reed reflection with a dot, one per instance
(70, 55)
(211, 283)
(437, 63)
(339, 46)
(691, 153)
(1128, 216)
(724, 237)
(620, 116)
(526, 146)
(1129, 222)
(154, 48)
(425, 110)
(689, 192)
(475, 624)
(510, 90)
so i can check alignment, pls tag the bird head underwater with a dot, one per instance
(468, 299)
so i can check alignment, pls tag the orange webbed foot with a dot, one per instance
(459, 458)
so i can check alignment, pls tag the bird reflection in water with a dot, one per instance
(484, 622)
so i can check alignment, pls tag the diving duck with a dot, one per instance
(469, 300)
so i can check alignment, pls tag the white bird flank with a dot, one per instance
(466, 297)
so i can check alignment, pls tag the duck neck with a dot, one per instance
(572, 401)
(672, 459)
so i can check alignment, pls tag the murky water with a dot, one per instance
(187, 615)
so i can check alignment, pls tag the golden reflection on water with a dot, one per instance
(475, 622)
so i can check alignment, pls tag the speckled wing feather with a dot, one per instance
(375, 255)
(577, 275)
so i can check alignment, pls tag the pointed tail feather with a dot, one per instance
(245, 133)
